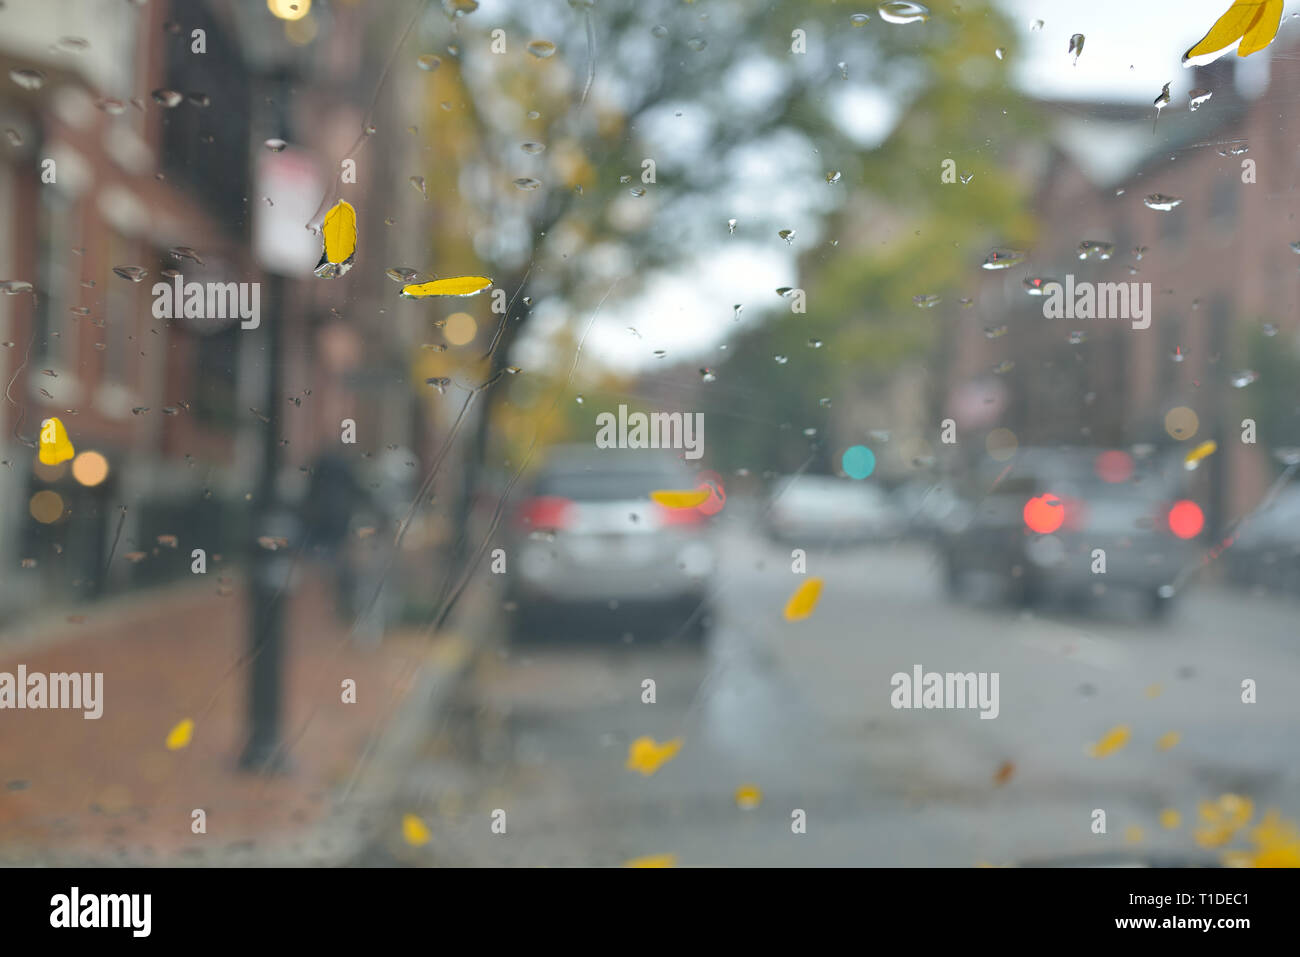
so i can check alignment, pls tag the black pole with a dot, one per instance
(269, 567)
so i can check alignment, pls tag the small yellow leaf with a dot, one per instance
(1204, 450)
(669, 498)
(414, 831)
(804, 600)
(647, 756)
(54, 446)
(1154, 691)
(1168, 740)
(339, 234)
(653, 860)
(1170, 819)
(458, 286)
(1133, 835)
(1111, 741)
(1253, 22)
(748, 796)
(179, 736)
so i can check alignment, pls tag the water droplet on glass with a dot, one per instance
(140, 410)
(275, 146)
(199, 99)
(1000, 53)
(659, 353)
(1076, 338)
(736, 310)
(1295, 248)
(1091, 249)
(28, 79)
(784, 291)
(966, 178)
(168, 99)
(1197, 97)
(1161, 202)
(1287, 455)
(459, 8)
(731, 226)
(1243, 378)
(1036, 26)
(12, 287)
(637, 190)
(844, 70)
(110, 106)
(1003, 367)
(859, 19)
(659, 30)
(1004, 259)
(186, 252)
(995, 332)
(527, 183)
(133, 273)
(824, 403)
(1076, 46)
(532, 149)
(541, 49)
(578, 399)
(418, 183)
(428, 62)
(781, 360)
(833, 176)
(707, 375)
(1036, 285)
(902, 11)
(787, 235)
(441, 383)
(926, 301)
(1269, 329)
(814, 343)
(697, 43)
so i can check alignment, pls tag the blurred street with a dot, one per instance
(803, 712)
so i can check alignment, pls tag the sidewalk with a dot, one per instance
(108, 791)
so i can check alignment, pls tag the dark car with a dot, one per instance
(588, 535)
(1053, 524)
(1265, 548)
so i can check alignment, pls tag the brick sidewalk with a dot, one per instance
(108, 790)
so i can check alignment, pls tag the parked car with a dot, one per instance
(818, 509)
(587, 534)
(1048, 525)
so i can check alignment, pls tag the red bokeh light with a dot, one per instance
(1044, 513)
(1186, 519)
(1114, 466)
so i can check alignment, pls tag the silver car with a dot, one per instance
(588, 536)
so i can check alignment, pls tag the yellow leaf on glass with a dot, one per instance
(748, 796)
(653, 860)
(669, 498)
(1253, 22)
(804, 600)
(457, 286)
(414, 831)
(54, 446)
(1111, 741)
(648, 756)
(1202, 451)
(179, 736)
(339, 235)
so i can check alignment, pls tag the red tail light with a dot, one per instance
(681, 516)
(546, 512)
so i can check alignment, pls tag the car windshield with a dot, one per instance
(544, 433)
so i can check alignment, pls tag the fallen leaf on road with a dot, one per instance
(1110, 742)
(647, 756)
(1168, 740)
(414, 831)
(748, 796)
(669, 498)
(804, 600)
(1170, 819)
(179, 736)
